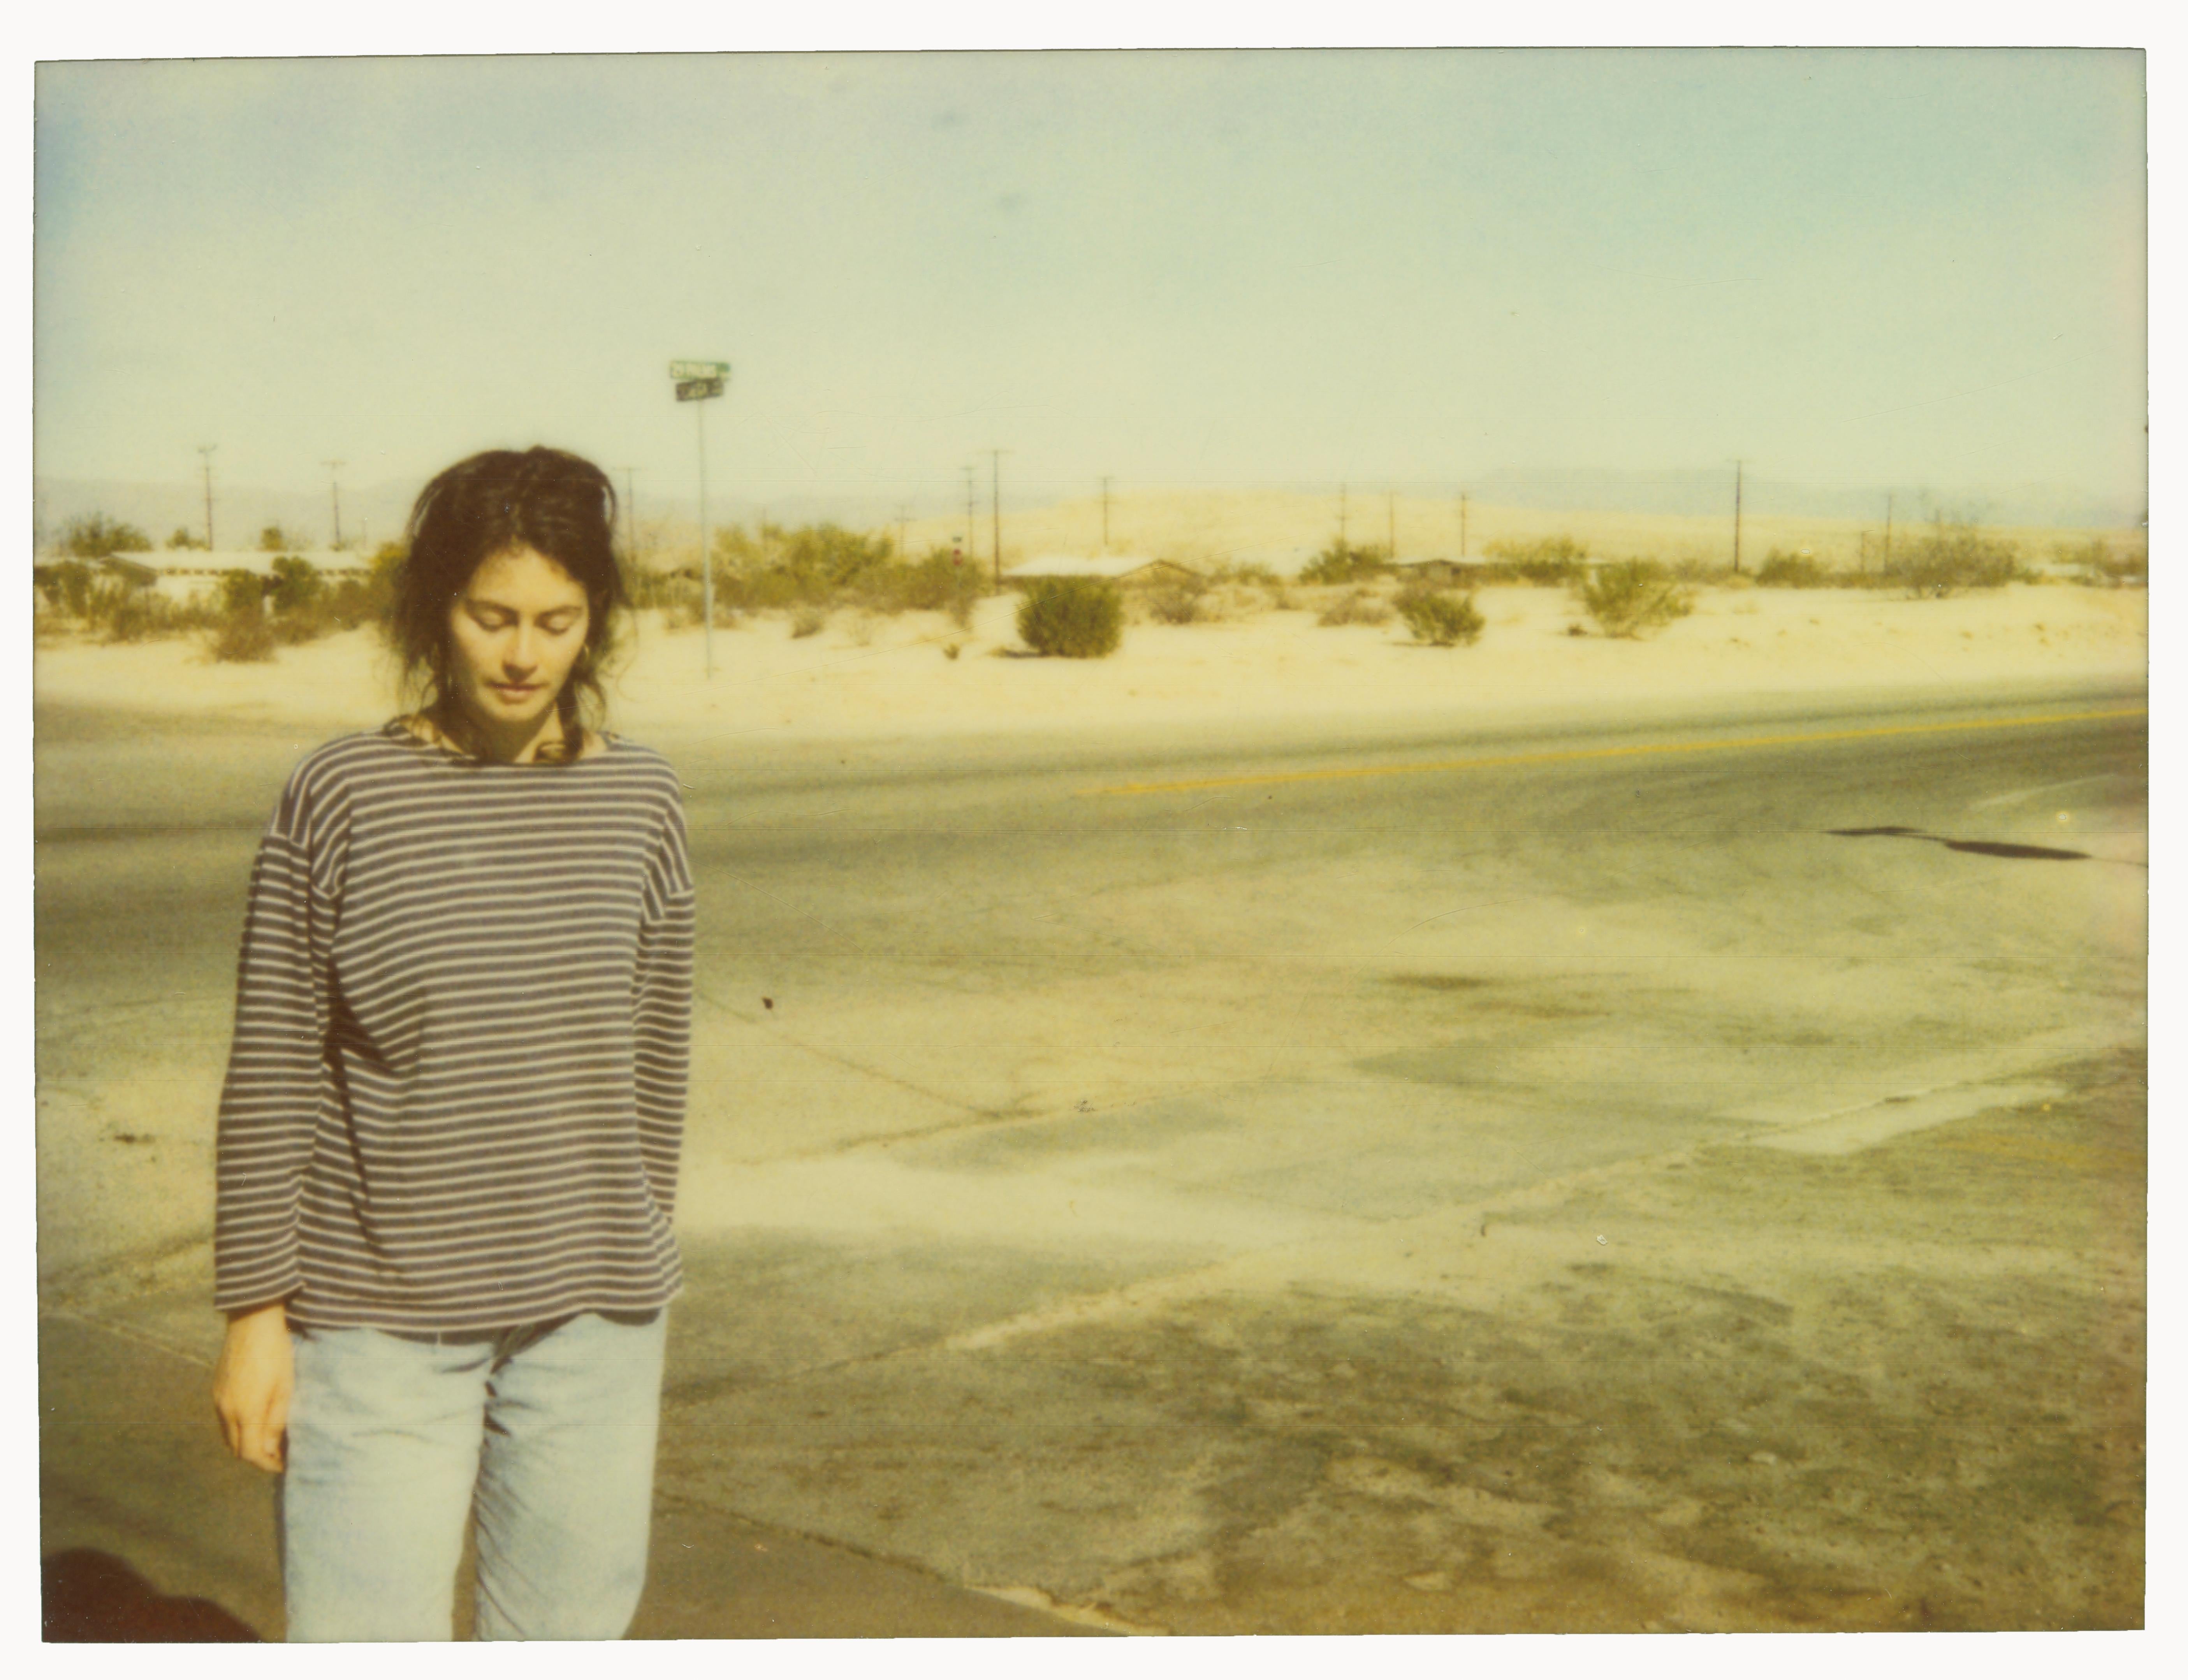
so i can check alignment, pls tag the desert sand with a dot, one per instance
(874, 676)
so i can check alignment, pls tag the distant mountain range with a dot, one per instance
(372, 513)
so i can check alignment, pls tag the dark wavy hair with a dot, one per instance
(555, 504)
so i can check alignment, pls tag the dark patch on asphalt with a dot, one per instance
(1988, 848)
(1439, 983)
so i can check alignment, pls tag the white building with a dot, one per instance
(179, 574)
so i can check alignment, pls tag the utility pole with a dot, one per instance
(1390, 524)
(630, 513)
(1738, 468)
(1886, 566)
(207, 449)
(334, 469)
(996, 509)
(971, 470)
(698, 383)
(1341, 490)
(705, 560)
(1105, 515)
(1461, 525)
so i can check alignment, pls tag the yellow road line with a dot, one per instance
(1351, 772)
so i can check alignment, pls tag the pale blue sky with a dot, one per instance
(1847, 268)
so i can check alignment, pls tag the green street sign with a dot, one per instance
(699, 389)
(681, 371)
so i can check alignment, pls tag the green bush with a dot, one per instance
(1357, 606)
(69, 586)
(1548, 560)
(1440, 618)
(1952, 558)
(1343, 562)
(242, 591)
(809, 620)
(1072, 617)
(1178, 602)
(2100, 566)
(94, 536)
(940, 583)
(1781, 571)
(243, 638)
(296, 584)
(1634, 597)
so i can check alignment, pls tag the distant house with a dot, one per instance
(1128, 569)
(1439, 570)
(180, 573)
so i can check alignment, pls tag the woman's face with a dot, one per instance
(515, 633)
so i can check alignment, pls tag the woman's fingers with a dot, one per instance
(252, 1387)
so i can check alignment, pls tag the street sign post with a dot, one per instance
(700, 382)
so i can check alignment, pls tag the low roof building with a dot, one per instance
(150, 565)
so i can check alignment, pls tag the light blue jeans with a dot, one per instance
(543, 1434)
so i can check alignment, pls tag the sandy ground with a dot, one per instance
(1816, 1379)
(894, 676)
(1206, 527)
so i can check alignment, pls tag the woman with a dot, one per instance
(449, 1138)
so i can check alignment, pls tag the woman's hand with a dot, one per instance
(252, 1383)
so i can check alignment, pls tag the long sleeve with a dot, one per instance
(661, 1009)
(269, 1104)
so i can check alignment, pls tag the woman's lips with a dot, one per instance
(513, 690)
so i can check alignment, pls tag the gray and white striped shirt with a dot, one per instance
(455, 1096)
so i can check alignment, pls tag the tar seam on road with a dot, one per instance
(1351, 771)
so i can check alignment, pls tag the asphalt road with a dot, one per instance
(998, 1040)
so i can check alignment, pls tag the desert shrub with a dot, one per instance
(1440, 618)
(181, 537)
(1952, 558)
(69, 586)
(357, 601)
(126, 615)
(1714, 573)
(809, 620)
(272, 539)
(940, 583)
(1634, 597)
(2098, 565)
(1181, 602)
(243, 638)
(241, 591)
(1072, 617)
(1356, 607)
(1344, 562)
(94, 536)
(295, 584)
(1547, 560)
(1782, 571)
